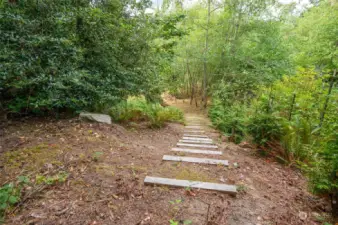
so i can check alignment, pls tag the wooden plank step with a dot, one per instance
(229, 189)
(195, 120)
(195, 160)
(194, 131)
(196, 145)
(196, 141)
(198, 124)
(201, 126)
(195, 135)
(194, 126)
(197, 138)
(197, 151)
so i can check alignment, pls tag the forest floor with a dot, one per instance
(108, 163)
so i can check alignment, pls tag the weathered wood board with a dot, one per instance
(229, 189)
(194, 131)
(195, 160)
(197, 138)
(194, 127)
(197, 145)
(195, 141)
(195, 135)
(197, 151)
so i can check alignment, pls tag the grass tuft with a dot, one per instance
(137, 109)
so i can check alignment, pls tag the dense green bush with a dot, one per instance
(285, 119)
(263, 128)
(76, 55)
(229, 119)
(138, 109)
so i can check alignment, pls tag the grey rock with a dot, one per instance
(101, 118)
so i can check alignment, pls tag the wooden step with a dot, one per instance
(194, 131)
(194, 127)
(229, 189)
(196, 145)
(195, 135)
(196, 122)
(196, 141)
(199, 124)
(197, 151)
(195, 160)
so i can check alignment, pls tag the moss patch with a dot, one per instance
(31, 158)
(185, 173)
(105, 169)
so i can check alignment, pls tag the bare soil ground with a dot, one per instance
(107, 164)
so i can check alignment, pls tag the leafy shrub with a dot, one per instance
(229, 119)
(286, 118)
(264, 128)
(297, 139)
(138, 109)
(323, 168)
(10, 195)
(73, 55)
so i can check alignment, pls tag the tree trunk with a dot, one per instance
(192, 85)
(322, 114)
(291, 107)
(204, 96)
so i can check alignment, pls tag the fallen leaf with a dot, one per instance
(190, 193)
(302, 215)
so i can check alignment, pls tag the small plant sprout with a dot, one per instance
(188, 188)
(173, 222)
(242, 188)
(61, 177)
(97, 156)
(177, 201)
(184, 222)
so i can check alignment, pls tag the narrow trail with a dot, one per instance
(267, 192)
(111, 189)
(195, 140)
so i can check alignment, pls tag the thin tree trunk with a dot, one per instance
(204, 98)
(192, 94)
(292, 104)
(191, 82)
(196, 103)
(322, 114)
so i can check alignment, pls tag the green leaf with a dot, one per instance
(23, 179)
(12, 200)
(172, 222)
(3, 205)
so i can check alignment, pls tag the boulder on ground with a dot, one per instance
(101, 118)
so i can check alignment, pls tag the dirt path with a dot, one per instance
(107, 166)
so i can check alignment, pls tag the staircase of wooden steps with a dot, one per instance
(194, 141)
